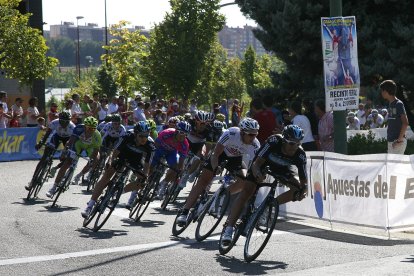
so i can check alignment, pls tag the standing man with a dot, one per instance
(397, 118)
(223, 109)
(325, 126)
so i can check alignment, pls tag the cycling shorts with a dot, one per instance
(286, 173)
(196, 147)
(234, 163)
(56, 139)
(172, 157)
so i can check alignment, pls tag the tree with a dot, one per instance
(180, 44)
(22, 48)
(126, 52)
(249, 67)
(106, 83)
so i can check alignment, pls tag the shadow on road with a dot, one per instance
(31, 201)
(58, 208)
(142, 223)
(409, 260)
(101, 234)
(237, 266)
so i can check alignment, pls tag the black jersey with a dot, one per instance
(271, 151)
(128, 150)
(196, 136)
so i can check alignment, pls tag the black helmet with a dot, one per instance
(293, 133)
(116, 118)
(108, 118)
(64, 118)
(142, 127)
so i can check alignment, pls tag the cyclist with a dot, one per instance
(86, 138)
(280, 153)
(187, 117)
(102, 124)
(110, 133)
(172, 123)
(153, 129)
(232, 145)
(200, 130)
(173, 145)
(220, 117)
(131, 149)
(217, 129)
(61, 130)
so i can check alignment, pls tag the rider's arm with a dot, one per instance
(218, 150)
(43, 141)
(257, 164)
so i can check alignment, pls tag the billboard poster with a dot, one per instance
(340, 62)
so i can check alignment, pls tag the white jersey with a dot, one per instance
(109, 130)
(61, 131)
(354, 125)
(233, 145)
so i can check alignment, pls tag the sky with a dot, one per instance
(139, 12)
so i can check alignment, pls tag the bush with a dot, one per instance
(361, 144)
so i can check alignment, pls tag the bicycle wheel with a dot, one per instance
(177, 229)
(260, 230)
(44, 177)
(96, 174)
(36, 179)
(106, 209)
(138, 207)
(212, 214)
(93, 212)
(63, 185)
(169, 195)
(224, 249)
(143, 205)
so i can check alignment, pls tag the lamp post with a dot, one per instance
(78, 48)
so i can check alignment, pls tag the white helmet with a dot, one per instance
(249, 125)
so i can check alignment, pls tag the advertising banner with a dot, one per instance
(19, 143)
(340, 59)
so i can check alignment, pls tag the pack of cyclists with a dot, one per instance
(202, 138)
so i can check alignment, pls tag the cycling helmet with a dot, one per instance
(187, 116)
(210, 116)
(64, 116)
(293, 133)
(173, 120)
(218, 125)
(184, 126)
(91, 122)
(220, 117)
(384, 111)
(142, 127)
(108, 118)
(202, 116)
(374, 112)
(116, 118)
(152, 124)
(351, 114)
(249, 125)
(180, 118)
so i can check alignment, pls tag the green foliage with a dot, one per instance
(361, 144)
(249, 67)
(291, 30)
(126, 53)
(61, 79)
(179, 47)
(22, 48)
(105, 81)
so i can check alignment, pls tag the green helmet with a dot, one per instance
(220, 117)
(152, 124)
(91, 122)
(180, 118)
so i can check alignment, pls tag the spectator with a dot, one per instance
(68, 107)
(295, 111)
(325, 126)
(352, 121)
(184, 108)
(223, 109)
(360, 114)
(374, 120)
(309, 112)
(236, 112)
(85, 105)
(367, 112)
(397, 118)
(287, 120)
(32, 113)
(3, 117)
(76, 109)
(113, 106)
(95, 103)
(159, 117)
(216, 109)
(193, 107)
(41, 123)
(53, 112)
(17, 113)
(174, 110)
(147, 110)
(102, 110)
(384, 113)
(265, 118)
(3, 100)
(268, 105)
(139, 114)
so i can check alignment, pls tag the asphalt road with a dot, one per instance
(39, 240)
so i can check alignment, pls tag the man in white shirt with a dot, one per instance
(3, 99)
(76, 110)
(360, 113)
(113, 106)
(139, 114)
(295, 111)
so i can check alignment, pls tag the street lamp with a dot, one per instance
(78, 48)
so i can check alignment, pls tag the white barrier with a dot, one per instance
(374, 191)
(379, 133)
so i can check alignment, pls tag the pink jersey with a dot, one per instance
(166, 141)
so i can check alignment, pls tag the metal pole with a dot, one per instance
(106, 30)
(340, 140)
(78, 53)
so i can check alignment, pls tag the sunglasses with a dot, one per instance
(181, 132)
(251, 134)
(292, 143)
